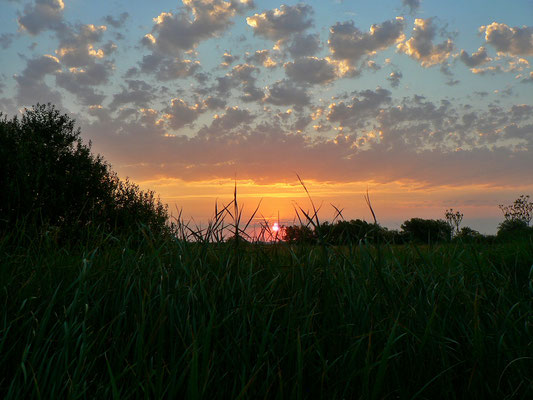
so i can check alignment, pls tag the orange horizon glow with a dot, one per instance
(393, 202)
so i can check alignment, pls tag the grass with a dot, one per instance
(137, 316)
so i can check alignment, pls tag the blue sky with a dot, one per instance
(425, 95)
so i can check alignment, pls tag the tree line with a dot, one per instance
(516, 224)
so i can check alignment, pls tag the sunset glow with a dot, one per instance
(427, 105)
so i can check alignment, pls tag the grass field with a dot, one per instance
(141, 317)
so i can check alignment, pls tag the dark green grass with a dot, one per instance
(138, 317)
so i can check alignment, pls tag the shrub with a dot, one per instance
(467, 234)
(512, 229)
(298, 234)
(348, 232)
(427, 230)
(49, 177)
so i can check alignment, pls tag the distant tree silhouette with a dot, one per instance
(348, 232)
(454, 219)
(49, 176)
(427, 230)
(298, 234)
(512, 229)
(520, 210)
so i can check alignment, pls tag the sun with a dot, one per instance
(275, 227)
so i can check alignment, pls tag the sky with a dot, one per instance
(426, 104)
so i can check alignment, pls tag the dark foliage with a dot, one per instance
(298, 234)
(520, 210)
(50, 178)
(344, 233)
(512, 229)
(467, 234)
(348, 232)
(454, 219)
(427, 230)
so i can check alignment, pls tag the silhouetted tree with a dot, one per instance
(50, 177)
(427, 230)
(298, 234)
(348, 232)
(512, 229)
(520, 210)
(468, 234)
(454, 219)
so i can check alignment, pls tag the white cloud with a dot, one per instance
(42, 15)
(280, 23)
(516, 41)
(348, 44)
(421, 47)
(310, 70)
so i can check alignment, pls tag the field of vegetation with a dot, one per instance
(108, 300)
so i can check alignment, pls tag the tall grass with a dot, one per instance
(141, 316)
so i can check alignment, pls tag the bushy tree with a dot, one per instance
(49, 177)
(298, 234)
(468, 234)
(427, 230)
(512, 229)
(348, 232)
(520, 210)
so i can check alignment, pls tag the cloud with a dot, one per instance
(528, 79)
(348, 44)
(214, 103)
(241, 76)
(77, 45)
(228, 59)
(310, 70)
(180, 114)
(166, 69)
(478, 58)
(85, 94)
(137, 92)
(42, 15)
(413, 5)
(262, 57)
(516, 41)
(517, 64)
(514, 131)
(231, 119)
(303, 45)
(37, 68)
(80, 82)
(372, 65)
(394, 78)
(197, 20)
(174, 34)
(421, 48)
(491, 70)
(285, 93)
(521, 112)
(31, 87)
(365, 104)
(415, 141)
(280, 23)
(117, 22)
(6, 39)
